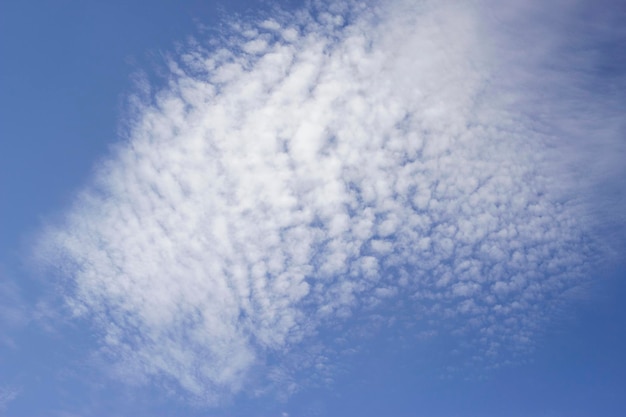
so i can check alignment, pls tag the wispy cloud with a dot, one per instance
(13, 312)
(314, 165)
(6, 396)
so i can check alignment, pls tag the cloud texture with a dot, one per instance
(302, 169)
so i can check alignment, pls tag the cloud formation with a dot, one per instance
(313, 165)
(13, 314)
(6, 396)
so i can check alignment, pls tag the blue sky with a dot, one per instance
(409, 208)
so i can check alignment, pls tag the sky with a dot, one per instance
(312, 208)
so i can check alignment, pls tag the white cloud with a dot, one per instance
(7, 395)
(14, 314)
(279, 184)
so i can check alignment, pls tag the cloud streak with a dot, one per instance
(309, 167)
(6, 396)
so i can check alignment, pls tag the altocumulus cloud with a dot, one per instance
(307, 167)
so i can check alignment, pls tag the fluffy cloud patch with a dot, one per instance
(307, 167)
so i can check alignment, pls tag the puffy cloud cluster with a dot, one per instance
(307, 167)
